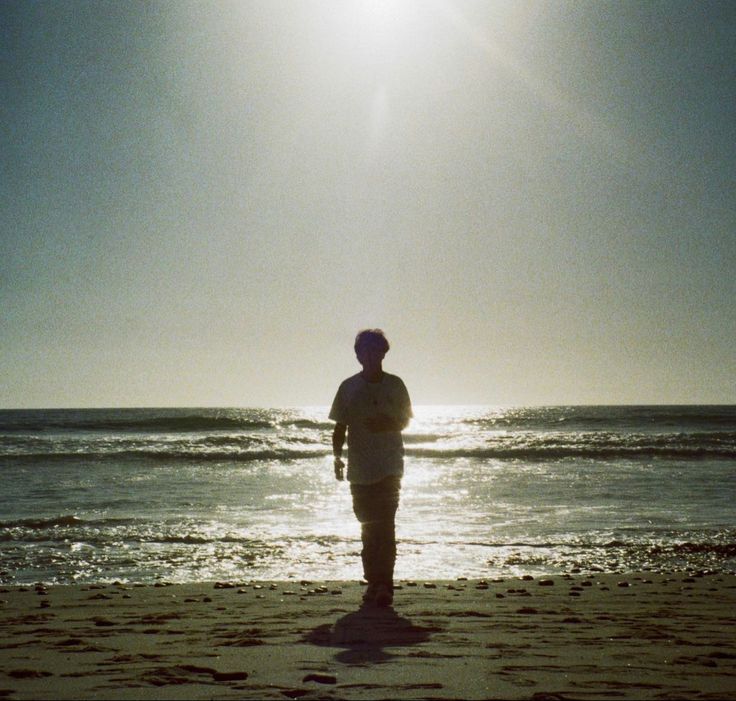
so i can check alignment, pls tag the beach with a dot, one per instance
(583, 636)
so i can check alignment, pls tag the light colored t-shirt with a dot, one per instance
(372, 456)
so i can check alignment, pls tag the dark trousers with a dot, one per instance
(375, 507)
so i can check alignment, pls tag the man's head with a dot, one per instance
(373, 339)
(370, 348)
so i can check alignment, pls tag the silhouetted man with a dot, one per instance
(373, 407)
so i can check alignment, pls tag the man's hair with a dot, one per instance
(371, 337)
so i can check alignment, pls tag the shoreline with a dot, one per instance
(584, 636)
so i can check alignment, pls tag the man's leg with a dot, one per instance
(375, 507)
(363, 501)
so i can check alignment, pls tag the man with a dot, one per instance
(373, 407)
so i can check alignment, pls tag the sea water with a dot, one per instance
(142, 495)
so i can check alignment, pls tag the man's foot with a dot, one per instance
(384, 596)
(369, 595)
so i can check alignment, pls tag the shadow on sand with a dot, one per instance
(366, 632)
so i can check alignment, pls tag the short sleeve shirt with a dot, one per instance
(372, 455)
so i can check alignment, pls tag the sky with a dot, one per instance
(203, 202)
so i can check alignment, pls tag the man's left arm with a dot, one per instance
(398, 422)
(383, 422)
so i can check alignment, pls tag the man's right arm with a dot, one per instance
(338, 440)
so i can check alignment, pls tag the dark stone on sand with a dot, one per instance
(101, 622)
(623, 584)
(229, 676)
(28, 674)
(527, 610)
(527, 578)
(469, 614)
(198, 669)
(99, 596)
(243, 641)
(722, 655)
(224, 585)
(500, 596)
(294, 693)
(546, 582)
(320, 678)
(430, 585)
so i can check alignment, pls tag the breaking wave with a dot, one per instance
(297, 446)
(155, 421)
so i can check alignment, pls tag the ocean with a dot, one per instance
(182, 495)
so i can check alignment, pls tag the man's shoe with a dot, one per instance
(369, 595)
(384, 596)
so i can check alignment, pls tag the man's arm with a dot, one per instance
(399, 418)
(338, 440)
(383, 422)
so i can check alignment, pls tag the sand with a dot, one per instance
(600, 636)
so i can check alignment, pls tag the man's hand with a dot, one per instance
(339, 469)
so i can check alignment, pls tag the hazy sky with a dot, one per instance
(201, 203)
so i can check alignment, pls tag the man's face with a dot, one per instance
(370, 356)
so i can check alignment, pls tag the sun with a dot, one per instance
(382, 22)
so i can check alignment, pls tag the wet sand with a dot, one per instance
(599, 636)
